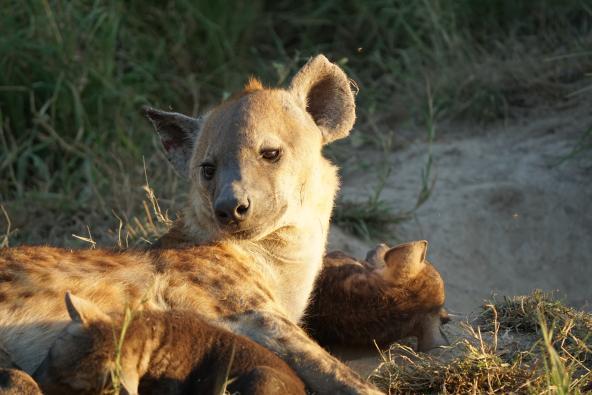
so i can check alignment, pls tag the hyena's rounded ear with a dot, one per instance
(324, 90)
(177, 133)
(84, 312)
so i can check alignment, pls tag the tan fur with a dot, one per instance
(396, 293)
(253, 85)
(164, 353)
(253, 276)
(17, 382)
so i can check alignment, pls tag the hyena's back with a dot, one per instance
(33, 281)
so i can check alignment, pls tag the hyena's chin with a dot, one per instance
(243, 234)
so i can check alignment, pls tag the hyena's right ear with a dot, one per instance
(84, 312)
(177, 133)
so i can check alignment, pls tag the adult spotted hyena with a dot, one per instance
(260, 201)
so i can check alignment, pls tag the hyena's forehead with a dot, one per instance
(257, 118)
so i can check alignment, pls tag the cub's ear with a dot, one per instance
(405, 261)
(84, 312)
(177, 133)
(324, 90)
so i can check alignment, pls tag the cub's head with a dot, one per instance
(254, 162)
(82, 358)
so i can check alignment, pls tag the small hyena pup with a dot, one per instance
(164, 353)
(394, 294)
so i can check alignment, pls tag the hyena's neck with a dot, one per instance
(297, 259)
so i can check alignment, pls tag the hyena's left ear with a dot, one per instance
(324, 90)
(84, 312)
(177, 133)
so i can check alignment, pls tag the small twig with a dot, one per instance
(5, 238)
(89, 239)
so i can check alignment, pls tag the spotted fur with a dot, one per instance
(253, 274)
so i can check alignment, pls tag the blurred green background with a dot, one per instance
(73, 75)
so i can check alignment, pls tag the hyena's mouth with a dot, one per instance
(254, 229)
(246, 234)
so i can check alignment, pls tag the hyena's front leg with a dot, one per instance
(322, 373)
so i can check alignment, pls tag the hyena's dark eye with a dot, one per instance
(208, 170)
(271, 155)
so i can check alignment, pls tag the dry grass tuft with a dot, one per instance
(477, 369)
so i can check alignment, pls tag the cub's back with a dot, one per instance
(204, 352)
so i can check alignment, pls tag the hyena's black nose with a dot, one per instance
(232, 210)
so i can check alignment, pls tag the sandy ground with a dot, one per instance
(503, 218)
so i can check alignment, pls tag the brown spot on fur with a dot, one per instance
(6, 276)
(228, 280)
(2, 297)
(217, 283)
(45, 277)
(160, 265)
(25, 294)
(133, 293)
(104, 264)
(185, 264)
(13, 266)
(255, 301)
(49, 293)
(220, 310)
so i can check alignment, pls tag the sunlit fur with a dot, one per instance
(256, 283)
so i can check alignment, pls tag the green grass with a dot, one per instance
(73, 76)
(117, 371)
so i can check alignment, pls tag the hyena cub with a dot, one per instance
(163, 352)
(394, 294)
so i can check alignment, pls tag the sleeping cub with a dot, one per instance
(394, 294)
(163, 352)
